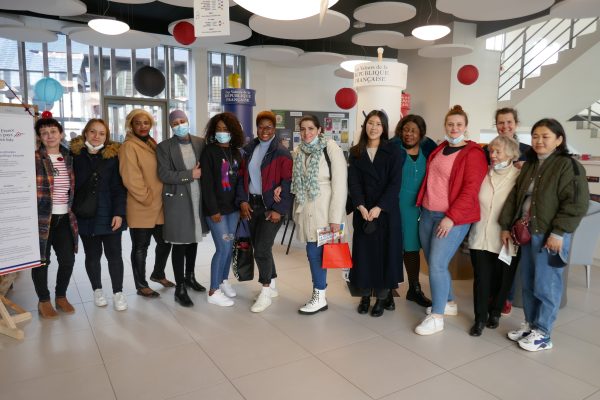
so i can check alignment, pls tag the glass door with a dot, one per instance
(117, 108)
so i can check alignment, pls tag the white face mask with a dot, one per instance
(502, 165)
(456, 140)
(93, 148)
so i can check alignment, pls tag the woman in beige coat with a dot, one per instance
(493, 277)
(138, 168)
(319, 183)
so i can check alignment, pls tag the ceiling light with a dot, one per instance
(284, 10)
(108, 26)
(430, 32)
(350, 64)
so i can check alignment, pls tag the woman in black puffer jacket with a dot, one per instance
(95, 156)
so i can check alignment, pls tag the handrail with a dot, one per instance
(526, 59)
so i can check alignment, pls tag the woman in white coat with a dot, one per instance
(319, 183)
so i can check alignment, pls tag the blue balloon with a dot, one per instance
(48, 90)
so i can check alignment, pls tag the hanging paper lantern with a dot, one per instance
(184, 33)
(467, 74)
(48, 90)
(42, 105)
(149, 81)
(46, 114)
(405, 104)
(346, 98)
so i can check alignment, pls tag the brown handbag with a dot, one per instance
(520, 231)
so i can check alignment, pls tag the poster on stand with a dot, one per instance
(19, 238)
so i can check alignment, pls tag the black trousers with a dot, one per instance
(140, 241)
(92, 245)
(262, 236)
(491, 283)
(61, 239)
(183, 256)
(380, 294)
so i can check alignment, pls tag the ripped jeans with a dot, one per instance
(222, 233)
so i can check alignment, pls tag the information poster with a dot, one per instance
(211, 18)
(335, 127)
(19, 239)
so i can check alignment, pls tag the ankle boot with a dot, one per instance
(388, 303)
(363, 306)
(377, 310)
(317, 303)
(416, 294)
(182, 297)
(192, 283)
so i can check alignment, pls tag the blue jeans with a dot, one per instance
(222, 233)
(542, 283)
(315, 260)
(438, 253)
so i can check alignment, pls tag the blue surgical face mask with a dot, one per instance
(315, 140)
(502, 165)
(456, 140)
(181, 129)
(223, 137)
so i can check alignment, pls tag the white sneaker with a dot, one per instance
(99, 299)
(120, 301)
(430, 325)
(317, 303)
(227, 289)
(535, 341)
(263, 301)
(450, 309)
(520, 333)
(274, 291)
(219, 299)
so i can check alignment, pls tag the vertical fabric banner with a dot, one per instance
(240, 102)
(19, 237)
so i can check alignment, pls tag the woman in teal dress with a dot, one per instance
(410, 137)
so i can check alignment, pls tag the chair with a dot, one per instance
(585, 240)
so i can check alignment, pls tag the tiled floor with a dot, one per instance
(159, 350)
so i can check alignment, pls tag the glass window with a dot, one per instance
(220, 67)
(9, 70)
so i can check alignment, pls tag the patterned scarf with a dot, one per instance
(305, 184)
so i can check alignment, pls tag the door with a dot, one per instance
(117, 108)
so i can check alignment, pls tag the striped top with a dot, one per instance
(60, 192)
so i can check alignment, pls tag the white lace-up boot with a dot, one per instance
(317, 303)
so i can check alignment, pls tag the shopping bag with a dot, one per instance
(336, 255)
(243, 257)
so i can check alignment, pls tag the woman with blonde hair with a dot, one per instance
(96, 166)
(139, 170)
(492, 276)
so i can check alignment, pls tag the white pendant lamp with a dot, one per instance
(430, 32)
(285, 10)
(108, 26)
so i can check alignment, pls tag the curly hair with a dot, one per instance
(233, 127)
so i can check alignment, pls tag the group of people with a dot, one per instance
(406, 193)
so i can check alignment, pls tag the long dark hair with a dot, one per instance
(359, 148)
(234, 128)
(556, 128)
(416, 119)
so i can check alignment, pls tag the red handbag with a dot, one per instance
(520, 231)
(336, 255)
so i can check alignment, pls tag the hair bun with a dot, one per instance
(457, 107)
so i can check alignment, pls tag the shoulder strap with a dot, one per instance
(327, 159)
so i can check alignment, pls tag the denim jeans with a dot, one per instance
(438, 253)
(92, 245)
(60, 239)
(542, 283)
(315, 261)
(223, 234)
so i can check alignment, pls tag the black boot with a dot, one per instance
(377, 310)
(192, 283)
(363, 306)
(388, 303)
(416, 294)
(493, 322)
(477, 329)
(182, 297)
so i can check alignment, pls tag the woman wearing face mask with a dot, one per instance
(374, 178)
(319, 181)
(450, 204)
(96, 157)
(179, 170)
(493, 277)
(220, 163)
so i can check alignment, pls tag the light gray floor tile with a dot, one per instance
(446, 386)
